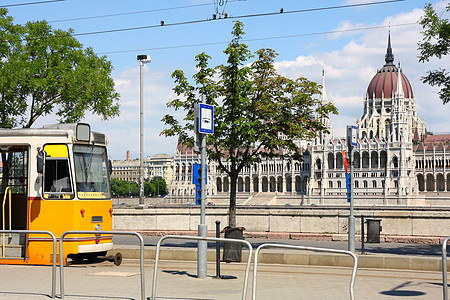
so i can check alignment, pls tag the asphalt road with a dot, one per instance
(385, 248)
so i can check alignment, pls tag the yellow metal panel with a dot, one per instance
(57, 150)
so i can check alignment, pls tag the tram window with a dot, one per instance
(57, 178)
(14, 169)
(91, 172)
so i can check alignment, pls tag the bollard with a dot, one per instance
(218, 250)
(363, 251)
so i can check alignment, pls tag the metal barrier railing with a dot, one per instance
(199, 238)
(3, 216)
(141, 258)
(54, 252)
(255, 265)
(444, 268)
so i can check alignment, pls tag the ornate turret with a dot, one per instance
(389, 58)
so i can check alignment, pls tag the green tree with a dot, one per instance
(122, 188)
(435, 43)
(155, 187)
(45, 70)
(258, 113)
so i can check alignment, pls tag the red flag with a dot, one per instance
(345, 161)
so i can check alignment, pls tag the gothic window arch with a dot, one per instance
(383, 159)
(219, 184)
(440, 183)
(395, 161)
(374, 159)
(357, 158)
(330, 161)
(318, 164)
(430, 182)
(240, 185)
(421, 182)
(365, 160)
(339, 161)
(247, 184)
(280, 184)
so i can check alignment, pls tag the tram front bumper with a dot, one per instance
(95, 248)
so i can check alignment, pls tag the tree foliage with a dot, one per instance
(258, 113)
(45, 70)
(436, 43)
(153, 188)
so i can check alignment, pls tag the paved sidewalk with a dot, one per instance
(177, 280)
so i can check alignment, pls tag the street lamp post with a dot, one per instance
(143, 59)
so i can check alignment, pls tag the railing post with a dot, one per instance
(255, 264)
(444, 268)
(218, 250)
(54, 251)
(363, 251)
(141, 259)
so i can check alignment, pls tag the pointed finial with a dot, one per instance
(389, 58)
(399, 91)
(324, 92)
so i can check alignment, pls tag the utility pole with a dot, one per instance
(143, 59)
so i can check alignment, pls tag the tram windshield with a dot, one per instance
(91, 172)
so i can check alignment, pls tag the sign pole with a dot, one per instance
(351, 218)
(204, 118)
(352, 141)
(202, 227)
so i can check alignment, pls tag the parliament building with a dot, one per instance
(396, 162)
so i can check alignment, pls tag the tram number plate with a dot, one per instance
(97, 219)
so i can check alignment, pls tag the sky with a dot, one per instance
(347, 39)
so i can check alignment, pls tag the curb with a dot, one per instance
(428, 240)
(290, 257)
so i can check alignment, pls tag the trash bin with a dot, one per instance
(373, 230)
(233, 251)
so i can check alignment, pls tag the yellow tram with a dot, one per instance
(56, 179)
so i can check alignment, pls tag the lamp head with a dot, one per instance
(144, 58)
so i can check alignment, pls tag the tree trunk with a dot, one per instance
(232, 210)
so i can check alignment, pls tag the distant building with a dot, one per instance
(159, 165)
(127, 170)
(396, 162)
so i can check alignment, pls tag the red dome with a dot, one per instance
(385, 82)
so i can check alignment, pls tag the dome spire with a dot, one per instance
(389, 58)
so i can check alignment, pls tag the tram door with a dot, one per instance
(14, 179)
(14, 161)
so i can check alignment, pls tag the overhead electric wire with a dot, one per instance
(136, 12)
(260, 39)
(229, 17)
(30, 3)
(241, 17)
(237, 17)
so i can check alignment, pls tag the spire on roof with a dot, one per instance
(389, 58)
(399, 92)
(323, 98)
